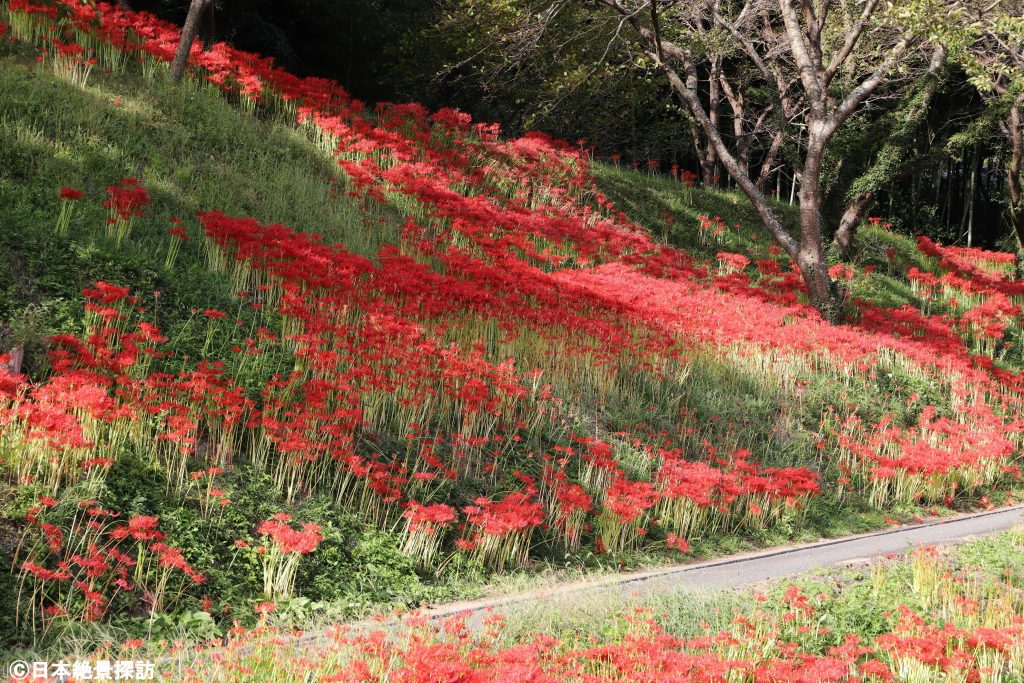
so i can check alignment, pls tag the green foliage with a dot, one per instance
(1001, 556)
(189, 626)
(535, 69)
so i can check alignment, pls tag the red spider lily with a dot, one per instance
(125, 203)
(731, 263)
(139, 528)
(501, 530)
(840, 271)
(570, 504)
(424, 527)
(127, 199)
(289, 540)
(428, 519)
(69, 197)
(622, 522)
(281, 556)
(89, 558)
(178, 234)
(677, 543)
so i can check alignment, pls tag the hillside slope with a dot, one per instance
(437, 353)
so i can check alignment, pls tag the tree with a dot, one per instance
(196, 12)
(517, 62)
(995, 61)
(831, 55)
(890, 160)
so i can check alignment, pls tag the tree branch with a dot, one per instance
(849, 44)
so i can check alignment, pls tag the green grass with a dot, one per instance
(191, 149)
(650, 199)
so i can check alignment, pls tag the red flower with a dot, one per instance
(428, 518)
(127, 199)
(289, 540)
(677, 543)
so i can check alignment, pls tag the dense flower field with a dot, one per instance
(472, 354)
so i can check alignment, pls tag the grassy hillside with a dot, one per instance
(332, 360)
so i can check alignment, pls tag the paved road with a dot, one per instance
(740, 570)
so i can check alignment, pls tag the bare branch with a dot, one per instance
(850, 43)
(858, 95)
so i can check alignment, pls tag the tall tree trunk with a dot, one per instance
(744, 139)
(188, 36)
(824, 294)
(709, 163)
(970, 213)
(970, 184)
(851, 218)
(1014, 180)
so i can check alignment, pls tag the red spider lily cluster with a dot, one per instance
(731, 263)
(711, 230)
(78, 560)
(514, 296)
(500, 531)
(289, 540)
(424, 529)
(284, 549)
(125, 202)
(685, 176)
(568, 505)
(177, 234)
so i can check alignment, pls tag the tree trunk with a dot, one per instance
(970, 213)
(709, 163)
(824, 294)
(188, 35)
(1014, 180)
(14, 359)
(970, 186)
(743, 139)
(208, 28)
(847, 231)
